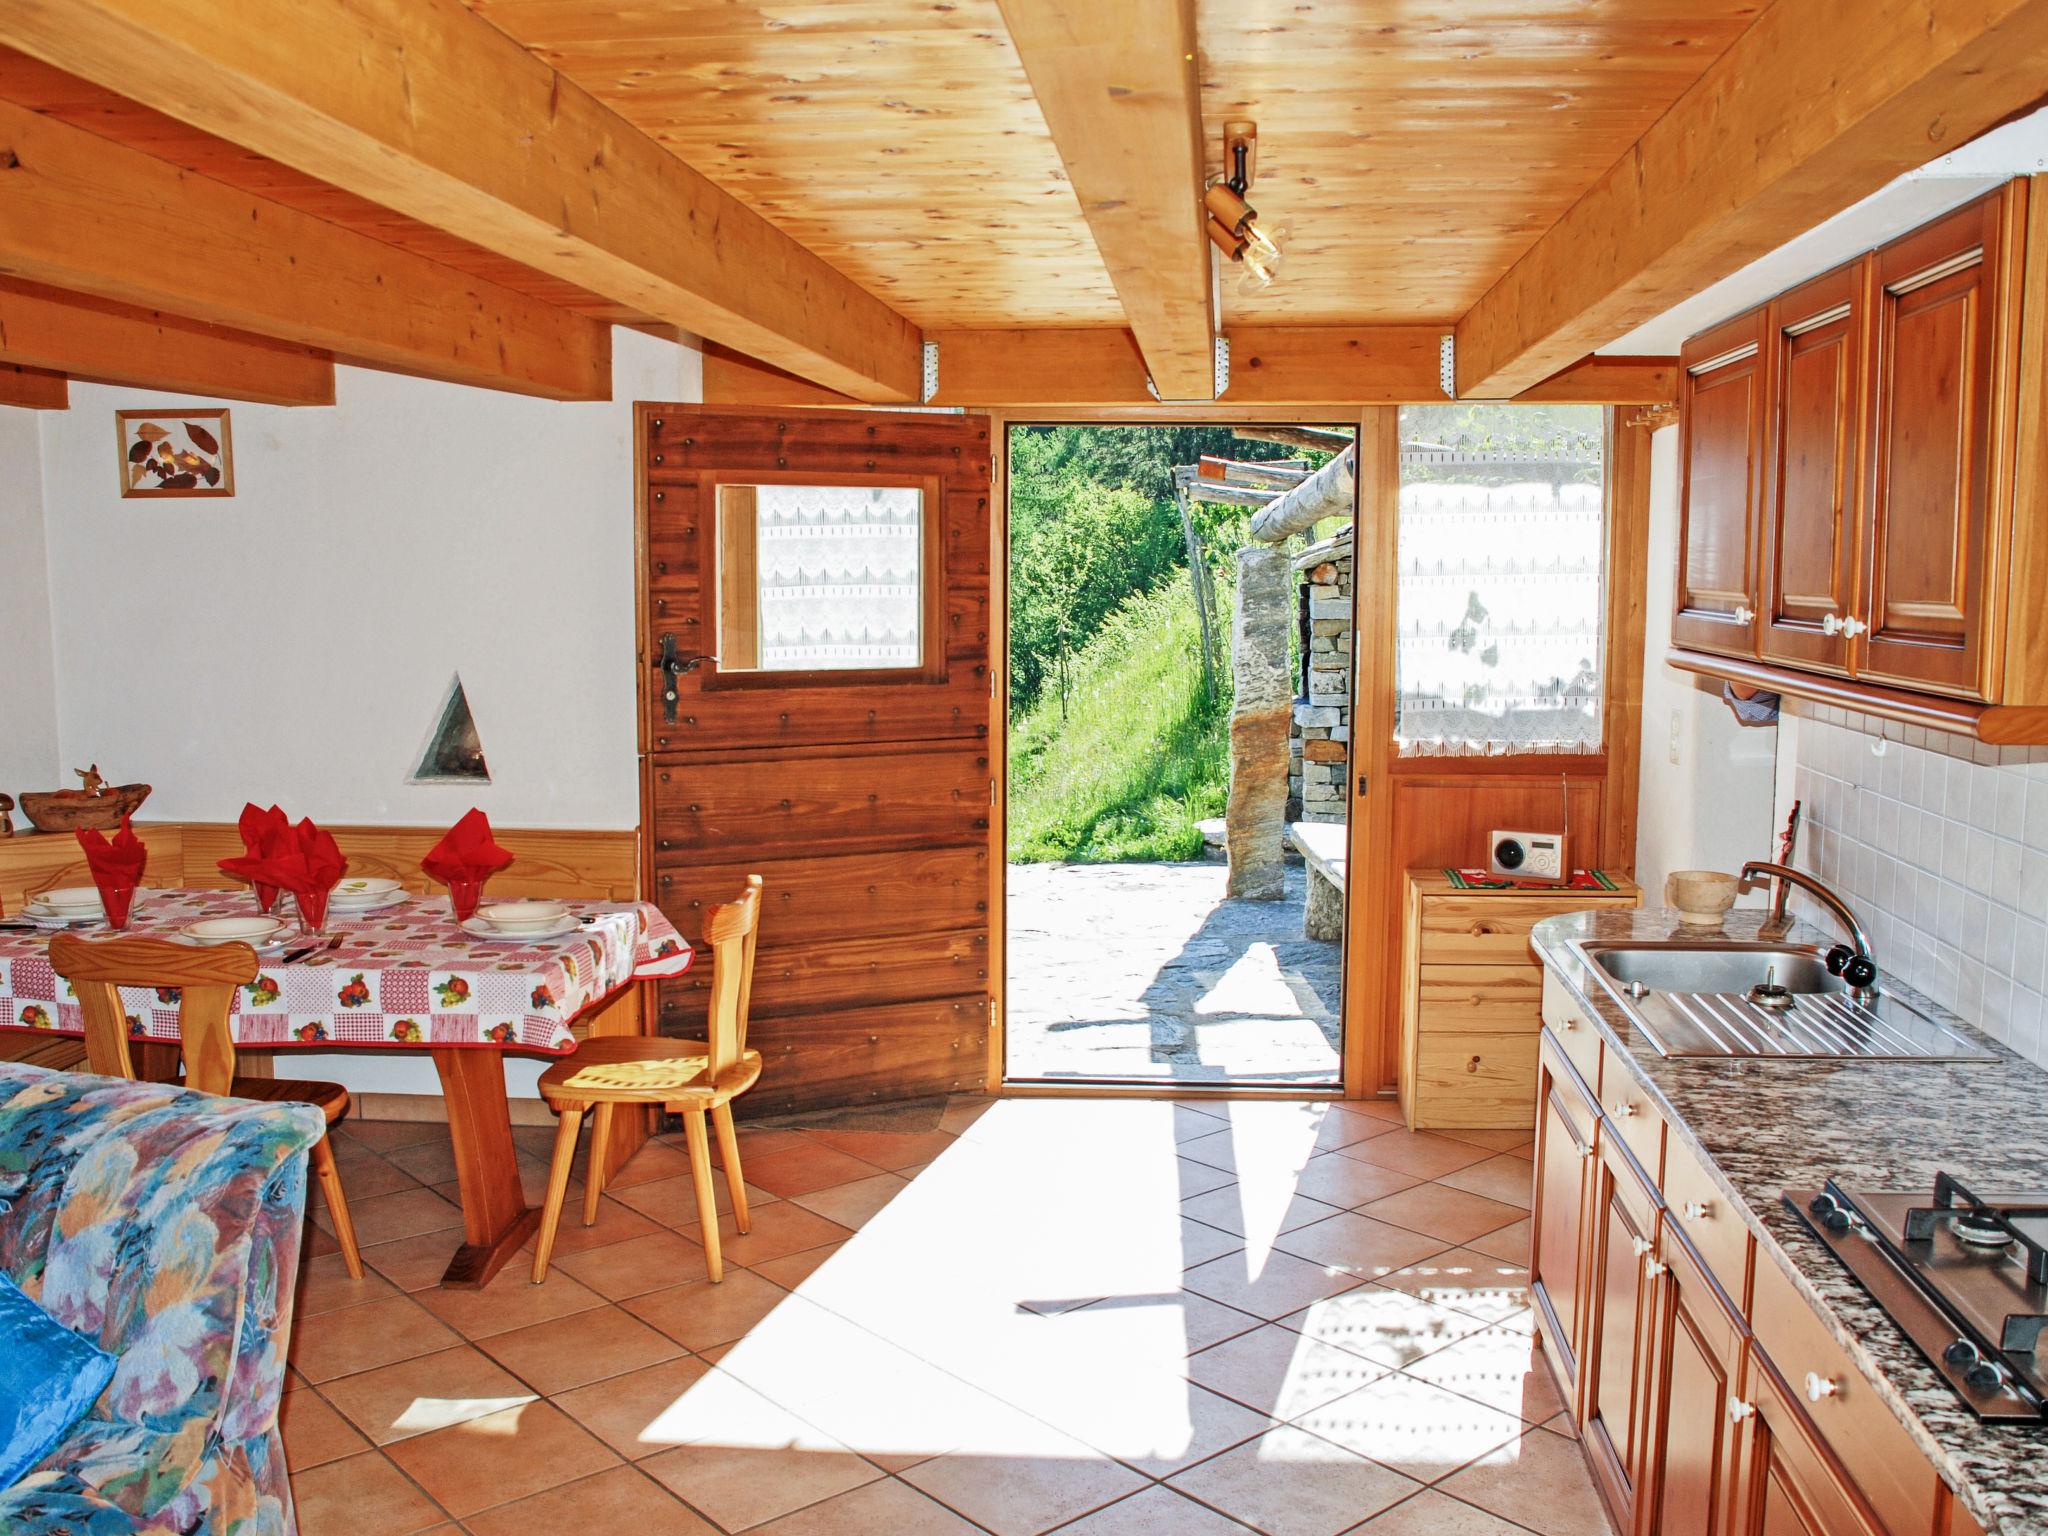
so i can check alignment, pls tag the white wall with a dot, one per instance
(1707, 780)
(28, 688)
(296, 641)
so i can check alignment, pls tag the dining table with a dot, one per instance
(402, 977)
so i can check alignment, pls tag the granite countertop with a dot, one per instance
(1763, 1126)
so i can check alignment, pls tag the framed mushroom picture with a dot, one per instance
(176, 451)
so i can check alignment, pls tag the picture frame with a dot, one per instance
(177, 450)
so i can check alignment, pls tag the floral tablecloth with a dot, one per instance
(402, 976)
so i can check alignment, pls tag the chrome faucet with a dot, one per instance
(1857, 966)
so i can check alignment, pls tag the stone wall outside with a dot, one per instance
(1320, 746)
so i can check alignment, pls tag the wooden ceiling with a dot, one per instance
(1412, 151)
(476, 189)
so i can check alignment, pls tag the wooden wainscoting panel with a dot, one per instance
(41, 861)
(583, 865)
(841, 973)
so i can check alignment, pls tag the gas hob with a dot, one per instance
(1965, 1276)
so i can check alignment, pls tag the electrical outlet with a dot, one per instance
(1677, 728)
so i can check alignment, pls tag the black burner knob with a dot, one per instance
(1961, 1352)
(1984, 1377)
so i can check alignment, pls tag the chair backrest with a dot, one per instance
(204, 976)
(731, 929)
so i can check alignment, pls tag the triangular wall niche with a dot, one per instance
(453, 752)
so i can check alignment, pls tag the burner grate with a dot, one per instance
(1980, 1224)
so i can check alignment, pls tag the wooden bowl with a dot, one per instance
(71, 810)
(1700, 896)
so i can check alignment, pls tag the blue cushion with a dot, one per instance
(49, 1376)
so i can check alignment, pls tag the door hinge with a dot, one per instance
(991, 791)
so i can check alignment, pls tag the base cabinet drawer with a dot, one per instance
(1475, 1081)
(1575, 1033)
(1701, 1212)
(1892, 1473)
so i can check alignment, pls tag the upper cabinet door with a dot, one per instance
(1944, 339)
(1721, 415)
(1814, 337)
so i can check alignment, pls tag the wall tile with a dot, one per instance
(1940, 845)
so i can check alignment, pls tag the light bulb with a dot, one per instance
(1257, 239)
(1259, 267)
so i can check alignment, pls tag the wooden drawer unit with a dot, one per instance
(1700, 1211)
(1573, 1031)
(1887, 1468)
(1472, 999)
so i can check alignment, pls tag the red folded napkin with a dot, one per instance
(116, 868)
(264, 833)
(464, 859)
(311, 871)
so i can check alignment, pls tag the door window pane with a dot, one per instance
(1501, 600)
(815, 578)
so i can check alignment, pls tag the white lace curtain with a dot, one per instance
(840, 576)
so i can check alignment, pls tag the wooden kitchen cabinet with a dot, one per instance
(1557, 1239)
(1675, 1358)
(1944, 347)
(1695, 1352)
(1614, 1405)
(1882, 454)
(1720, 435)
(1812, 463)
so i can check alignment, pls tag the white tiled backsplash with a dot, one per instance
(1940, 845)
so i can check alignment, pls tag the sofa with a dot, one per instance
(165, 1225)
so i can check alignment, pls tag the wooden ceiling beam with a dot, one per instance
(108, 343)
(81, 213)
(1818, 104)
(32, 389)
(1283, 367)
(427, 109)
(1117, 83)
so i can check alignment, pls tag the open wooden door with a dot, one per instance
(838, 562)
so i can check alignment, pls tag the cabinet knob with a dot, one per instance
(1819, 1386)
(1569, 1025)
(1625, 1110)
(1656, 1269)
(1738, 1410)
(1852, 627)
(1585, 1149)
(1642, 1245)
(1744, 615)
(1699, 1210)
(1831, 624)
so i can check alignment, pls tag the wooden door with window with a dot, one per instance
(814, 606)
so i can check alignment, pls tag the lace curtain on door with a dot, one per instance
(1501, 600)
(840, 577)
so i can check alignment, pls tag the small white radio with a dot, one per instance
(1528, 855)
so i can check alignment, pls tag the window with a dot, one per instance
(822, 578)
(1502, 596)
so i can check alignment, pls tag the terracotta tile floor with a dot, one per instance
(1101, 1318)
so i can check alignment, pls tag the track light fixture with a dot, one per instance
(1233, 224)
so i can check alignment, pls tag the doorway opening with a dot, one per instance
(1180, 657)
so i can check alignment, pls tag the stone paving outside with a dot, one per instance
(1147, 971)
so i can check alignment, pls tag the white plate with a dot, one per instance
(476, 926)
(522, 916)
(57, 924)
(232, 930)
(340, 903)
(269, 949)
(365, 888)
(77, 899)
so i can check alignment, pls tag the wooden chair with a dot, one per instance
(697, 1079)
(206, 978)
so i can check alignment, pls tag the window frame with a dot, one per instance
(932, 586)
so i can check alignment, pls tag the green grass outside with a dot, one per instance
(1141, 757)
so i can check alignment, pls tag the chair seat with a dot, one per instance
(644, 1069)
(331, 1099)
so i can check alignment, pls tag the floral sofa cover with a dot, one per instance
(164, 1224)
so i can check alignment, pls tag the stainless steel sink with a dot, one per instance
(1699, 998)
